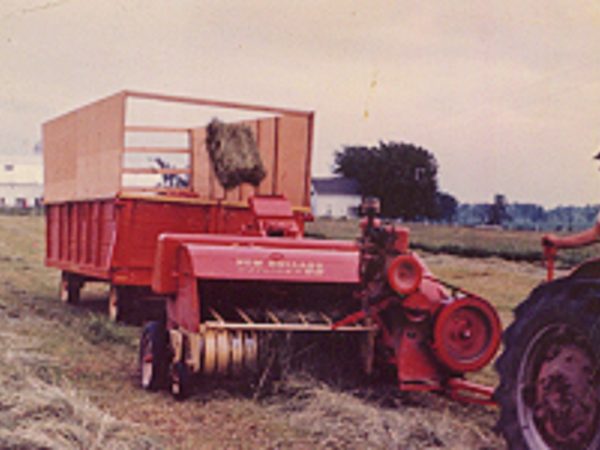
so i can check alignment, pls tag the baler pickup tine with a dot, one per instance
(326, 318)
(303, 318)
(243, 315)
(216, 315)
(272, 316)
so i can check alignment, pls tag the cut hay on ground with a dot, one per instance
(341, 420)
(234, 154)
(38, 414)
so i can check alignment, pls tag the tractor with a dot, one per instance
(549, 391)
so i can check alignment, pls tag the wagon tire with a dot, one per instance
(549, 391)
(120, 304)
(70, 288)
(153, 357)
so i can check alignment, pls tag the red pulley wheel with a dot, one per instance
(405, 274)
(467, 334)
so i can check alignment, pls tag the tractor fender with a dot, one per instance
(588, 269)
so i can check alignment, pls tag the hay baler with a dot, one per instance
(228, 296)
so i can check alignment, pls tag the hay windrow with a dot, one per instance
(37, 414)
(343, 420)
(234, 154)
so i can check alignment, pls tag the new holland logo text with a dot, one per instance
(279, 266)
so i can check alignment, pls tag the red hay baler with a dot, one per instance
(227, 294)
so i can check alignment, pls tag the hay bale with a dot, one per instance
(234, 154)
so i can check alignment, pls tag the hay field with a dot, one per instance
(68, 377)
(464, 241)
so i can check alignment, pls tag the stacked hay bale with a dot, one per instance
(234, 154)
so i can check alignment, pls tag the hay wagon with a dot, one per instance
(122, 170)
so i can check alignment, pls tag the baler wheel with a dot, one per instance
(181, 381)
(153, 356)
(549, 390)
(70, 288)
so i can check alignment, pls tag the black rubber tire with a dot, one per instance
(181, 377)
(70, 288)
(123, 304)
(555, 315)
(154, 344)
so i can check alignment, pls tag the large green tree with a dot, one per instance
(403, 176)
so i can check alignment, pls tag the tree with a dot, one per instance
(498, 211)
(446, 207)
(403, 176)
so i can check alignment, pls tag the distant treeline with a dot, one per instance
(527, 216)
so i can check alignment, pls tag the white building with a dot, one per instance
(21, 181)
(335, 197)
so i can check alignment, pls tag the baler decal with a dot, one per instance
(279, 266)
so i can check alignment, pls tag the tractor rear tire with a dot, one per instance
(549, 392)
(153, 357)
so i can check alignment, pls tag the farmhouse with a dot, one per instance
(335, 197)
(21, 181)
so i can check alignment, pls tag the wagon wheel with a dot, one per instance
(121, 303)
(549, 390)
(70, 288)
(153, 357)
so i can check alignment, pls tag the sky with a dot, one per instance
(504, 93)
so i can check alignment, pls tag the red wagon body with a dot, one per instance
(115, 240)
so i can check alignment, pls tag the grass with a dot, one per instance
(463, 241)
(68, 376)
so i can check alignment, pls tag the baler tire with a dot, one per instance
(181, 381)
(552, 351)
(153, 346)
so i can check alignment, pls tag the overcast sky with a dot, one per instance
(505, 93)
